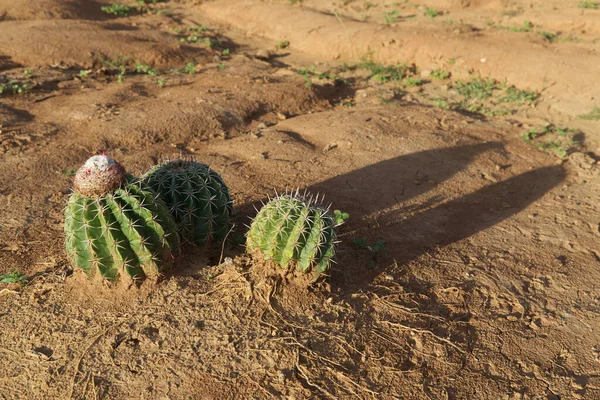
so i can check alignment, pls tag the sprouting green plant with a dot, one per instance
(120, 10)
(190, 68)
(282, 44)
(559, 141)
(225, 52)
(526, 27)
(83, 73)
(440, 74)
(160, 82)
(452, 61)
(12, 86)
(410, 81)
(592, 115)
(376, 249)
(449, 22)
(441, 103)
(431, 12)
(477, 88)
(145, 69)
(594, 5)
(28, 72)
(221, 66)
(549, 36)
(386, 73)
(514, 95)
(391, 17)
(13, 277)
(340, 216)
(311, 72)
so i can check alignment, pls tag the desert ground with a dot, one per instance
(461, 136)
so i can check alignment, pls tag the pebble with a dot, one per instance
(264, 54)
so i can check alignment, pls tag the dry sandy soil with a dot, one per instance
(485, 193)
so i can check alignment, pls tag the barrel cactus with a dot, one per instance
(294, 230)
(197, 198)
(115, 226)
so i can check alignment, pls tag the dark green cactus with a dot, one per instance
(197, 198)
(291, 230)
(115, 226)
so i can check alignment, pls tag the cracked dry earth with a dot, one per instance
(487, 287)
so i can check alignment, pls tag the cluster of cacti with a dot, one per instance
(196, 196)
(120, 226)
(115, 226)
(293, 230)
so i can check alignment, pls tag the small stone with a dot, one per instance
(262, 125)
(263, 54)
(389, 278)
(281, 116)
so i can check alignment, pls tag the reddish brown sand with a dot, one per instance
(488, 285)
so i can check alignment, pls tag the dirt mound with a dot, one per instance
(11, 10)
(73, 42)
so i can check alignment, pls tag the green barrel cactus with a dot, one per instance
(115, 226)
(292, 230)
(197, 198)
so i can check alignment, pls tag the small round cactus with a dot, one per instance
(197, 198)
(115, 226)
(292, 230)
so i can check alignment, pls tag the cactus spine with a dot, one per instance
(114, 225)
(290, 230)
(197, 198)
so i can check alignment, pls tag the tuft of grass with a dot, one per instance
(432, 13)
(549, 36)
(410, 81)
(14, 277)
(69, 172)
(190, 68)
(282, 44)
(592, 115)
(526, 27)
(387, 73)
(478, 88)
(391, 17)
(440, 74)
(514, 95)
(145, 69)
(594, 5)
(311, 72)
(559, 141)
(120, 10)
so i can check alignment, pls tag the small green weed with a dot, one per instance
(549, 36)
(83, 73)
(514, 95)
(440, 74)
(160, 82)
(376, 249)
(432, 13)
(340, 217)
(311, 72)
(594, 5)
(27, 73)
(13, 87)
(221, 66)
(13, 277)
(190, 68)
(592, 115)
(410, 81)
(559, 141)
(391, 17)
(145, 69)
(387, 73)
(282, 44)
(441, 103)
(225, 52)
(120, 10)
(477, 88)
